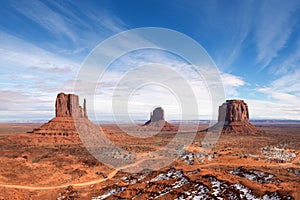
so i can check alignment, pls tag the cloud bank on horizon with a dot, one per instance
(255, 44)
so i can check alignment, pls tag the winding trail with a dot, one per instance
(110, 175)
(113, 173)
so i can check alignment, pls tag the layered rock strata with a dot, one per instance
(69, 115)
(67, 105)
(234, 117)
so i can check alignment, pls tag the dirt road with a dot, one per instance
(110, 175)
(113, 173)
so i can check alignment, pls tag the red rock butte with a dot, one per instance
(67, 105)
(157, 120)
(234, 117)
(67, 113)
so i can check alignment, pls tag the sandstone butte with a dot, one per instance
(234, 117)
(157, 120)
(67, 112)
(69, 116)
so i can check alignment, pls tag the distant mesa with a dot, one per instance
(67, 113)
(157, 121)
(234, 117)
(156, 115)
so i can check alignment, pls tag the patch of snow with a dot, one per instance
(172, 173)
(254, 175)
(279, 154)
(180, 183)
(109, 193)
(245, 193)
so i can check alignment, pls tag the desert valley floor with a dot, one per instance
(261, 166)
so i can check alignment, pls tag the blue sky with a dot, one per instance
(255, 44)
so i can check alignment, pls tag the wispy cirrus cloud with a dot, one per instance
(68, 30)
(289, 82)
(273, 28)
(228, 32)
(265, 109)
(285, 92)
(16, 52)
(283, 97)
(231, 84)
(41, 14)
(24, 66)
(285, 64)
(42, 44)
(25, 105)
(39, 59)
(155, 94)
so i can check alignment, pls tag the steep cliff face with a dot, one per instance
(156, 115)
(68, 113)
(234, 117)
(67, 105)
(157, 121)
(233, 111)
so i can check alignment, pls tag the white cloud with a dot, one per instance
(231, 84)
(289, 62)
(45, 17)
(265, 109)
(235, 32)
(30, 78)
(281, 96)
(26, 67)
(285, 93)
(67, 31)
(274, 26)
(161, 89)
(18, 53)
(25, 106)
(152, 94)
(289, 82)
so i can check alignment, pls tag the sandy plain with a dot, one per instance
(263, 166)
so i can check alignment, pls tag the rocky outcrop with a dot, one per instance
(157, 121)
(67, 105)
(233, 111)
(234, 117)
(156, 115)
(62, 126)
(68, 116)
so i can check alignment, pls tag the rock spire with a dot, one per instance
(68, 114)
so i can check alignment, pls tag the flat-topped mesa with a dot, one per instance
(233, 111)
(234, 118)
(67, 105)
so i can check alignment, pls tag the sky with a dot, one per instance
(254, 44)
